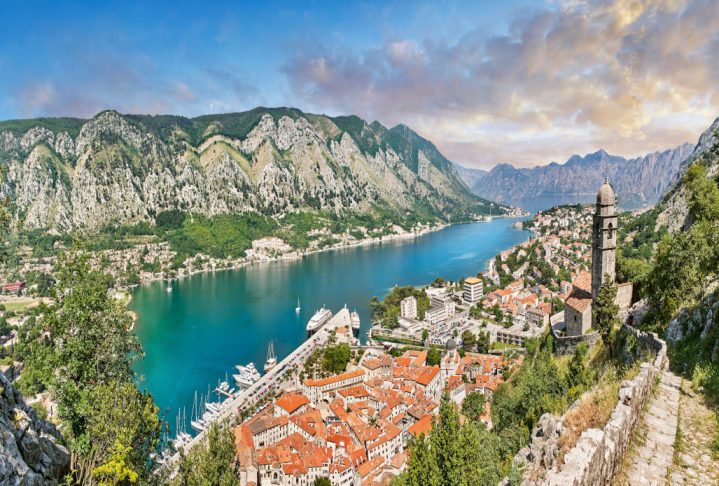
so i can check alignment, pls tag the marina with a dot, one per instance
(279, 375)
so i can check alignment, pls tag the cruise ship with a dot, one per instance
(246, 375)
(318, 320)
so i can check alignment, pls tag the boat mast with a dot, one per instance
(271, 351)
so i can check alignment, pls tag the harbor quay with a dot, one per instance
(273, 380)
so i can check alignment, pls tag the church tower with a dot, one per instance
(604, 237)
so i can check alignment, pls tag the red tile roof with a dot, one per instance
(290, 402)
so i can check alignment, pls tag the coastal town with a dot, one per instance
(354, 426)
(452, 339)
(351, 419)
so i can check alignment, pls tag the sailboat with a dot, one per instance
(271, 359)
(297, 309)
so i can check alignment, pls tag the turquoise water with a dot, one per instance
(210, 322)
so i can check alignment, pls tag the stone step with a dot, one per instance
(650, 464)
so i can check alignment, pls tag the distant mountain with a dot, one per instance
(637, 181)
(66, 173)
(470, 176)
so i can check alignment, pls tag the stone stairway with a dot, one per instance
(650, 461)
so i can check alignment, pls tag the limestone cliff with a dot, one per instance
(675, 212)
(63, 174)
(31, 452)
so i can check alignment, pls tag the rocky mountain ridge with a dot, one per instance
(64, 174)
(675, 212)
(640, 180)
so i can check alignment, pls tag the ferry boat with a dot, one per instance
(271, 358)
(355, 320)
(246, 376)
(319, 319)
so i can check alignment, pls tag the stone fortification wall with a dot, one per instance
(624, 296)
(597, 455)
(568, 344)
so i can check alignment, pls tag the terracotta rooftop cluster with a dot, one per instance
(357, 430)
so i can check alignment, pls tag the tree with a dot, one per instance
(116, 470)
(447, 448)
(469, 341)
(434, 356)
(605, 312)
(324, 481)
(684, 265)
(538, 387)
(498, 313)
(703, 194)
(425, 335)
(577, 378)
(124, 427)
(454, 454)
(483, 342)
(335, 358)
(473, 406)
(86, 362)
(211, 462)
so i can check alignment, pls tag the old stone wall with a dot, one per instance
(568, 344)
(624, 296)
(597, 455)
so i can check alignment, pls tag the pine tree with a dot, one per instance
(605, 312)
(446, 446)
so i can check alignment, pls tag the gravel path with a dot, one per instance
(694, 460)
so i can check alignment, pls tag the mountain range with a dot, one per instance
(66, 173)
(641, 180)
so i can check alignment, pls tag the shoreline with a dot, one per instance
(378, 240)
(395, 237)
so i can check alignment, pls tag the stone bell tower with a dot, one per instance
(604, 237)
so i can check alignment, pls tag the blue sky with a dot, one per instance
(487, 81)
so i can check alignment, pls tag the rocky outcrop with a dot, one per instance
(127, 168)
(598, 454)
(675, 212)
(31, 450)
(637, 181)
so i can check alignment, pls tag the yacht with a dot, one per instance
(298, 308)
(355, 320)
(318, 320)
(271, 358)
(246, 376)
(199, 424)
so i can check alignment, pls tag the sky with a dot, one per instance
(502, 81)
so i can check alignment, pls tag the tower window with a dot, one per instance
(611, 230)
